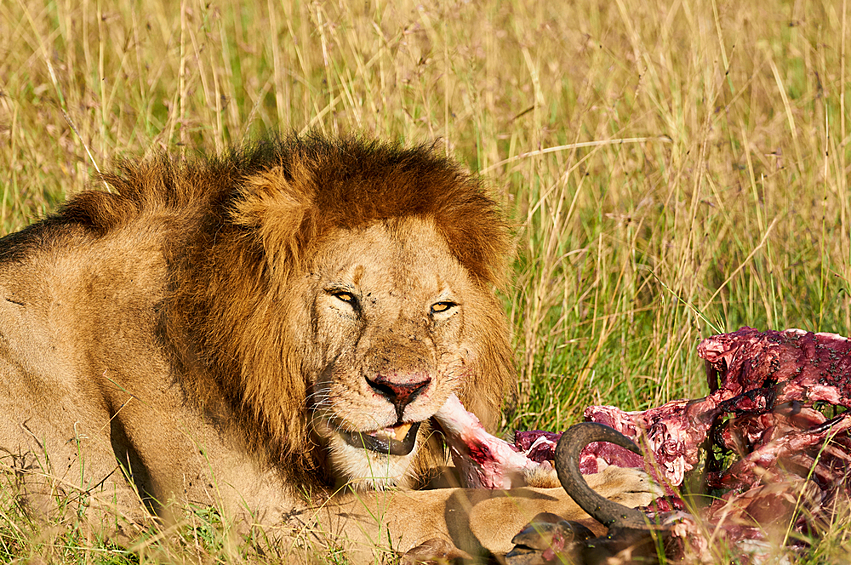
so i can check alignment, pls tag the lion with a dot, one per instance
(268, 331)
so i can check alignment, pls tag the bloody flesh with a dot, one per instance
(769, 393)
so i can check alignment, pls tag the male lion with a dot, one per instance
(257, 329)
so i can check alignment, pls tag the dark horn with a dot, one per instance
(610, 514)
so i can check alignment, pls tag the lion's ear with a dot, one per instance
(277, 211)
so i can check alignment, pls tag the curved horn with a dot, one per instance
(604, 511)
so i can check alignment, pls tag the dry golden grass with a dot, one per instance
(675, 169)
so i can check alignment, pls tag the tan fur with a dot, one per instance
(189, 338)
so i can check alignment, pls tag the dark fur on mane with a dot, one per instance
(355, 182)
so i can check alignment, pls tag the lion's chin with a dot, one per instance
(395, 440)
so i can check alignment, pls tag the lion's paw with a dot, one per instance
(628, 486)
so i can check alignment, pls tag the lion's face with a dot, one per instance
(333, 298)
(389, 313)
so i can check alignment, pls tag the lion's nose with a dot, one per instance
(399, 391)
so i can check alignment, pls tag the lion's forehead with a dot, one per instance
(407, 260)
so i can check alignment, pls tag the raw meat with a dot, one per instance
(776, 407)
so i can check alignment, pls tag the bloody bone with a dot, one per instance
(484, 460)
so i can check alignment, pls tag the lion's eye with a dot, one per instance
(346, 297)
(439, 307)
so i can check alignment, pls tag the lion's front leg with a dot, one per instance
(475, 521)
(493, 518)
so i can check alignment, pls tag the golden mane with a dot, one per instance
(244, 224)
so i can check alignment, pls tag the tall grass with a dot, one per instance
(673, 169)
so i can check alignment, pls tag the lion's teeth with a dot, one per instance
(402, 431)
(398, 433)
(384, 434)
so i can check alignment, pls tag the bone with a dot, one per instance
(484, 461)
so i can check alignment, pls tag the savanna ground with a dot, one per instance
(674, 169)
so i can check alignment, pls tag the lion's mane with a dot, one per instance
(245, 224)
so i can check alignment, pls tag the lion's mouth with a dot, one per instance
(395, 440)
